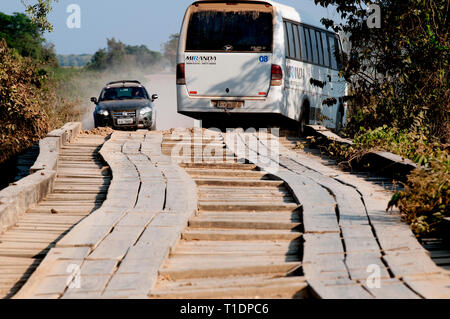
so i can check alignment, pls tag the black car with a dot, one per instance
(125, 104)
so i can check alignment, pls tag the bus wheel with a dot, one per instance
(304, 120)
(339, 119)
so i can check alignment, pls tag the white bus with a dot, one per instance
(258, 59)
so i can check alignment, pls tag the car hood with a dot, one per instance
(123, 105)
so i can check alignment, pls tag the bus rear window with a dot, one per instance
(230, 28)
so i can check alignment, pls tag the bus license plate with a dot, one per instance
(228, 104)
(125, 121)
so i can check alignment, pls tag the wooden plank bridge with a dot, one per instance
(200, 214)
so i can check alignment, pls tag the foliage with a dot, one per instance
(425, 201)
(31, 101)
(119, 56)
(399, 72)
(414, 146)
(25, 36)
(74, 60)
(39, 12)
(21, 104)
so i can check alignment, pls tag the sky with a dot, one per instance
(133, 22)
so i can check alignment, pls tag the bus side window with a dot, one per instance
(320, 47)
(304, 48)
(332, 44)
(315, 54)
(339, 58)
(286, 39)
(290, 40)
(326, 50)
(297, 42)
(308, 44)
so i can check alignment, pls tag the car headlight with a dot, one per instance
(146, 110)
(103, 112)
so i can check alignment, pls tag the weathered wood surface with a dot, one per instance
(246, 237)
(147, 207)
(36, 231)
(149, 240)
(388, 158)
(17, 198)
(359, 225)
(321, 130)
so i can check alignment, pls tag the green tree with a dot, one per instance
(399, 72)
(121, 56)
(74, 60)
(39, 12)
(25, 36)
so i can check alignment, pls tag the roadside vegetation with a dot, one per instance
(74, 60)
(400, 99)
(31, 98)
(38, 95)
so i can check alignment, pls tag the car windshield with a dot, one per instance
(123, 93)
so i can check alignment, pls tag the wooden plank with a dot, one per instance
(391, 289)
(85, 236)
(152, 196)
(230, 235)
(430, 287)
(340, 289)
(137, 283)
(360, 239)
(318, 206)
(263, 288)
(243, 224)
(247, 206)
(330, 135)
(98, 267)
(222, 271)
(117, 243)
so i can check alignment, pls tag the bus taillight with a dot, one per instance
(277, 75)
(181, 77)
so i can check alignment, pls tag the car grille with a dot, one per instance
(118, 114)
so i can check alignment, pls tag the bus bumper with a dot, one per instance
(202, 104)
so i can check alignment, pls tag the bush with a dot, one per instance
(31, 101)
(425, 201)
(399, 72)
(408, 144)
(21, 103)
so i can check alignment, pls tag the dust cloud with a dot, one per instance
(166, 106)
